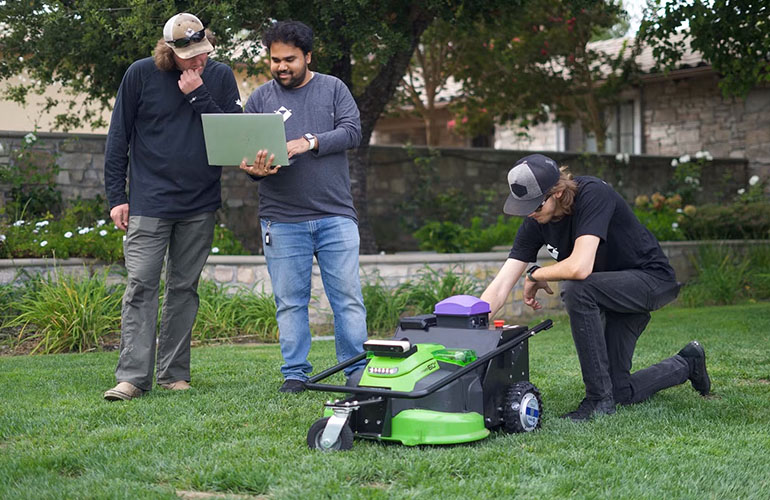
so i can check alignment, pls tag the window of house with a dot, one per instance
(623, 123)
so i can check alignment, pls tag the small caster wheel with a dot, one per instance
(344, 440)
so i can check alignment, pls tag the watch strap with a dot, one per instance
(530, 271)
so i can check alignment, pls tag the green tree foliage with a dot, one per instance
(732, 35)
(86, 46)
(534, 64)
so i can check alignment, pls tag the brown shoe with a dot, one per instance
(179, 385)
(123, 392)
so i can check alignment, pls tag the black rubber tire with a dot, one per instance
(516, 418)
(344, 441)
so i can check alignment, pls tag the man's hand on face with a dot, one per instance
(530, 289)
(190, 80)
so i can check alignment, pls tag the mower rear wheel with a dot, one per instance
(523, 408)
(343, 442)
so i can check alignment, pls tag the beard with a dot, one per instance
(294, 79)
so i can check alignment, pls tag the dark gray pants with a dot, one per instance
(184, 244)
(608, 312)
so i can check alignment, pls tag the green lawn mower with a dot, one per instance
(445, 378)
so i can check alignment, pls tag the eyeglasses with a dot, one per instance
(184, 42)
(540, 207)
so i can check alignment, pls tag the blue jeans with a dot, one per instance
(334, 242)
(608, 311)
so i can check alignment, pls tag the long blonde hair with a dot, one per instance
(164, 55)
(569, 189)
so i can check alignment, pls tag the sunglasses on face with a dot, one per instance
(194, 38)
(540, 207)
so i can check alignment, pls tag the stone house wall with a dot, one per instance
(687, 115)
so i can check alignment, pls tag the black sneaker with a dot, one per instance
(292, 385)
(695, 356)
(354, 378)
(590, 407)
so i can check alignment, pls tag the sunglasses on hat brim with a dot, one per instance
(184, 42)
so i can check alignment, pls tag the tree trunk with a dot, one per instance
(371, 103)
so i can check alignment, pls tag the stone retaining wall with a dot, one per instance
(392, 270)
(396, 185)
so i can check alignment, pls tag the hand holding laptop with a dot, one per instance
(262, 166)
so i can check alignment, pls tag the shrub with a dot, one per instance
(31, 177)
(226, 312)
(385, 305)
(433, 286)
(721, 222)
(68, 314)
(450, 237)
(664, 223)
(724, 276)
(69, 236)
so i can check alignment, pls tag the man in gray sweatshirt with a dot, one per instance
(306, 208)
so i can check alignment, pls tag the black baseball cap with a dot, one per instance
(529, 180)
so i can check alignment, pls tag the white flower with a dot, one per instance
(674, 162)
(222, 225)
(41, 223)
(674, 225)
(753, 181)
(741, 191)
(626, 158)
(43, 243)
(18, 223)
(2, 238)
(696, 181)
(85, 230)
(684, 159)
(679, 211)
(708, 156)
(103, 233)
(699, 155)
(215, 250)
(619, 157)
(68, 234)
(21, 58)
(115, 227)
(30, 138)
(35, 231)
(688, 180)
(100, 222)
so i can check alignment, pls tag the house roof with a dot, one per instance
(689, 59)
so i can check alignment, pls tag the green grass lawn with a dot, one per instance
(234, 433)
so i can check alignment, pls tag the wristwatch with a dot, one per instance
(311, 139)
(530, 271)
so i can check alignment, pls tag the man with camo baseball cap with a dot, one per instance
(186, 36)
(156, 141)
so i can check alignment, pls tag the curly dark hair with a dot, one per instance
(289, 32)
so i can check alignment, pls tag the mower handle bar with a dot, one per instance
(375, 391)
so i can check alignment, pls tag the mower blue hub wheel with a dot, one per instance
(523, 409)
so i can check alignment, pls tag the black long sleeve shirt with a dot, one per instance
(156, 137)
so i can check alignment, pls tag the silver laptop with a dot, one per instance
(231, 137)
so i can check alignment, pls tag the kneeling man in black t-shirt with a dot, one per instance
(613, 274)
